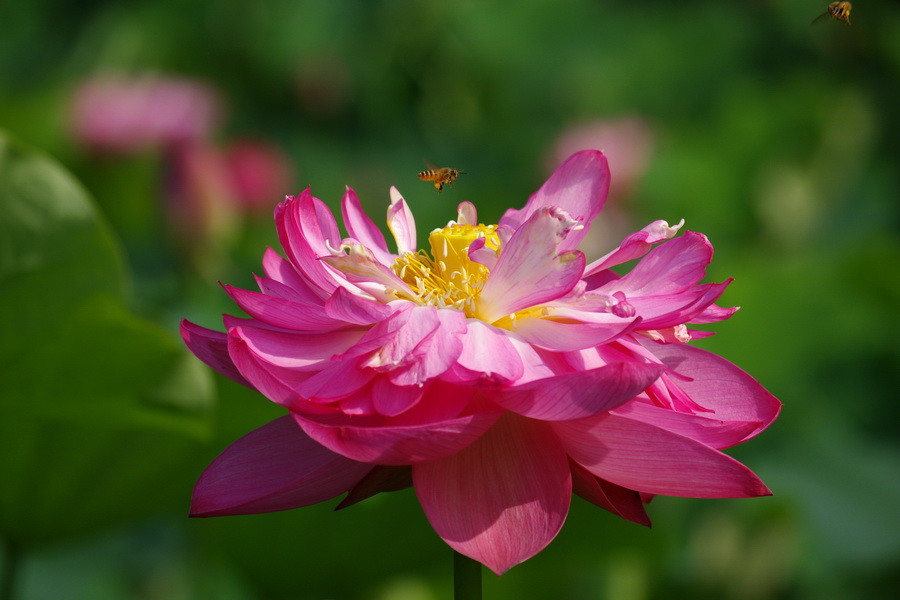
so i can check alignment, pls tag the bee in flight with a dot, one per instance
(836, 10)
(440, 176)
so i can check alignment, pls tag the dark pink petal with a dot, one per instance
(390, 343)
(481, 253)
(634, 246)
(667, 269)
(391, 400)
(531, 270)
(275, 467)
(298, 351)
(579, 394)
(298, 249)
(489, 352)
(614, 498)
(718, 385)
(436, 352)
(346, 306)
(562, 337)
(278, 269)
(275, 383)
(337, 379)
(578, 186)
(301, 295)
(379, 479)
(360, 267)
(400, 445)
(649, 459)
(361, 228)
(401, 223)
(319, 228)
(211, 347)
(283, 313)
(502, 499)
(714, 314)
(708, 430)
(660, 312)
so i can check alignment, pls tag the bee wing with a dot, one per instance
(820, 18)
(431, 165)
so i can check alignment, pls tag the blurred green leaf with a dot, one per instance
(99, 409)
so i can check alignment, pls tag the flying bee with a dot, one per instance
(836, 10)
(441, 176)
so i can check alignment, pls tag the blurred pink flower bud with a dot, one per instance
(261, 174)
(119, 114)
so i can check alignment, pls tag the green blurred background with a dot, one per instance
(779, 140)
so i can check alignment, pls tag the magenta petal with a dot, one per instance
(282, 271)
(362, 229)
(646, 458)
(352, 308)
(634, 246)
(713, 432)
(614, 498)
(502, 499)
(400, 445)
(489, 351)
(531, 270)
(718, 385)
(212, 348)
(401, 223)
(283, 313)
(379, 479)
(579, 186)
(580, 394)
(668, 268)
(275, 467)
(564, 337)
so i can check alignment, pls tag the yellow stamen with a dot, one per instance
(447, 278)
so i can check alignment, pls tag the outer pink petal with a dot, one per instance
(719, 385)
(401, 223)
(668, 268)
(299, 351)
(713, 432)
(646, 458)
(361, 268)
(363, 229)
(400, 445)
(562, 337)
(346, 306)
(288, 221)
(436, 352)
(282, 313)
(660, 312)
(580, 394)
(212, 348)
(531, 269)
(614, 498)
(579, 186)
(634, 246)
(275, 383)
(379, 479)
(502, 499)
(277, 268)
(275, 467)
(488, 351)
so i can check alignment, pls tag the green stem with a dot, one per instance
(10, 568)
(466, 578)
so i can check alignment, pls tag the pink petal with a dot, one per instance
(502, 499)
(282, 313)
(298, 351)
(660, 312)
(580, 394)
(436, 352)
(578, 186)
(337, 379)
(391, 400)
(275, 383)
(275, 467)
(488, 351)
(710, 431)
(466, 214)
(379, 479)
(212, 348)
(360, 267)
(346, 306)
(530, 269)
(634, 246)
(363, 229)
(646, 458)
(401, 223)
(288, 221)
(719, 385)
(614, 498)
(400, 445)
(277, 268)
(562, 337)
(668, 268)
(304, 295)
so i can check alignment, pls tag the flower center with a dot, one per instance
(447, 278)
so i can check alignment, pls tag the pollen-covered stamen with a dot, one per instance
(447, 278)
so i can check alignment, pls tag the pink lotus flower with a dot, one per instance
(497, 373)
